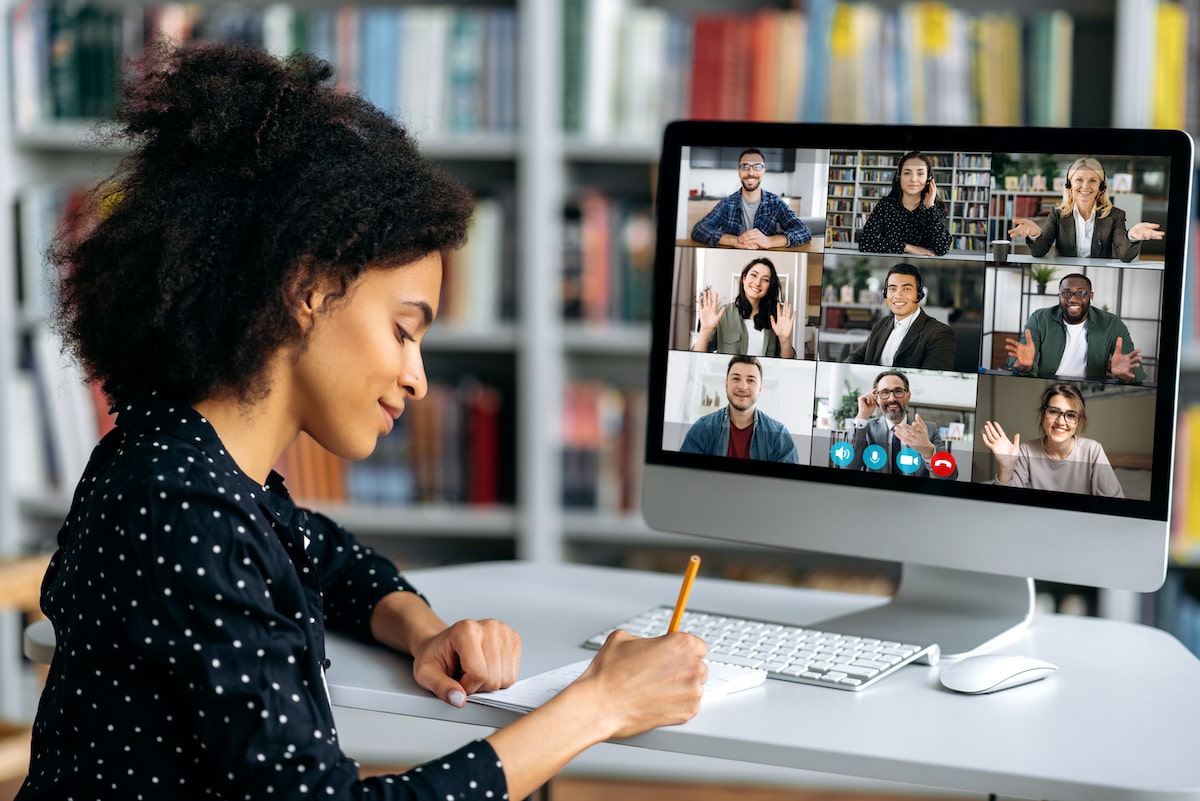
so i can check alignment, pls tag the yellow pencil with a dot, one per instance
(688, 577)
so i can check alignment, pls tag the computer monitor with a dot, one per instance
(986, 440)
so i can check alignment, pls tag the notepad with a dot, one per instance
(528, 694)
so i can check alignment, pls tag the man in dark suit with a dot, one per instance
(908, 337)
(893, 432)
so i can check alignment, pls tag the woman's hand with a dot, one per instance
(466, 657)
(711, 310)
(1144, 230)
(648, 682)
(631, 686)
(1026, 228)
(917, 250)
(1004, 449)
(929, 197)
(783, 322)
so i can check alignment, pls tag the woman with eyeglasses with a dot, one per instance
(1060, 460)
(1086, 224)
(911, 218)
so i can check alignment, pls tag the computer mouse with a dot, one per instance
(988, 673)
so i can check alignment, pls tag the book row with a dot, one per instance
(442, 70)
(454, 447)
(628, 67)
(448, 448)
(608, 259)
(478, 288)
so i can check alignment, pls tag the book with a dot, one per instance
(381, 74)
(1132, 84)
(528, 694)
(1169, 86)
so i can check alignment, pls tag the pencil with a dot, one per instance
(688, 577)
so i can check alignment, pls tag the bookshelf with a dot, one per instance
(536, 159)
(858, 178)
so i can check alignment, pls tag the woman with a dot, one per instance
(1060, 460)
(268, 264)
(760, 325)
(911, 218)
(1085, 224)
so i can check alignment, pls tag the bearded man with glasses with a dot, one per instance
(897, 440)
(1074, 340)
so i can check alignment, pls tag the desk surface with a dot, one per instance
(1074, 261)
(814, 245)
(1100, 728)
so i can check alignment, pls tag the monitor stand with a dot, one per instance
(960, 610)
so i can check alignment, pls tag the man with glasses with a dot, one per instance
(908, 337)
(891, 442)
(751, 218)
(1073, 340)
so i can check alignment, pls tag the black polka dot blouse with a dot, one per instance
(890, 227)
(189, 605)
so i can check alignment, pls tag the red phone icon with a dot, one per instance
(942, 464)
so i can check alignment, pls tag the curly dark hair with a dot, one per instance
(252, 180)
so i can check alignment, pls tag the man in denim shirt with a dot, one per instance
(740, 430)
(751, 218)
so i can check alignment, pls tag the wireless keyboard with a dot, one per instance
(788, 652)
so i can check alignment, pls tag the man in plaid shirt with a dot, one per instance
(751, 218)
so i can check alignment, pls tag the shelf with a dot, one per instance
(423, 521)
(501, 338)
(584, 527)
(613, 339)
(633, 152)
(77, 136)
(90, 136)
(398, 521)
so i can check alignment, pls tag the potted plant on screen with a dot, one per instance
(1042, 274)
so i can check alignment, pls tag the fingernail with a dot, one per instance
(458, 698)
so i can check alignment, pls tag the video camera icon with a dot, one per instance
(909, 461)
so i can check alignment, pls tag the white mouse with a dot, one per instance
(988, 673)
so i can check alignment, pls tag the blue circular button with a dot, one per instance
(875, 457)
(909, 461)
(842, 454)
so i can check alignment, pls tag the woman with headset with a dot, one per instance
(1086, 224)
(911, 218)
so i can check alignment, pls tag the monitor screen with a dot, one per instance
(955, 348)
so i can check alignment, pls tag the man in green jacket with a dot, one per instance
(1073, 340)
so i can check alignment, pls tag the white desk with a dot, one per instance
(1101, 728)
(1074, 261)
